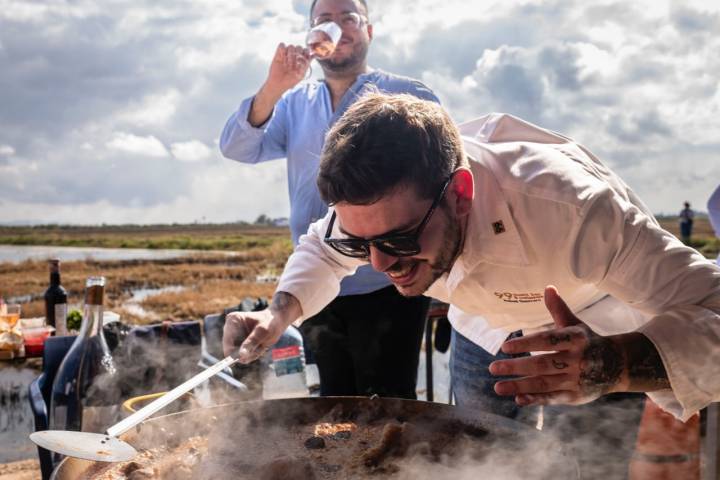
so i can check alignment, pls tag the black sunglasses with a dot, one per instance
(400, 245)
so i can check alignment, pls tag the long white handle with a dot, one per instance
(177, 392)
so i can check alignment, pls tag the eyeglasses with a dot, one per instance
(350, 20)
(400, 245)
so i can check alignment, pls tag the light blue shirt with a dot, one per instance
(296, 131)
(713, 207)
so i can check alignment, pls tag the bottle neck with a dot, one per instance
(54, 279)
(92, 321)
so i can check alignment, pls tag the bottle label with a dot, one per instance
(287, 360)
(61, 319)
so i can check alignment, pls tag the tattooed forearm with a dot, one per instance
(555, 339)
(280, 300)
(646, 371)
(601, 366)
(285, 304)
(560, 365)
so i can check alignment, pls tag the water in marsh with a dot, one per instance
(17, 254)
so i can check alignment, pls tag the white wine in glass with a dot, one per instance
(323, 39)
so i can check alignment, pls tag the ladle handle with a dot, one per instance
(177, 392)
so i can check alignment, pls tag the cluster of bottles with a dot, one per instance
(85, 390)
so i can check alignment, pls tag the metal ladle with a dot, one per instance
(108, 447)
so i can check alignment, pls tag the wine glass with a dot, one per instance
(322, 40)
(10, 315)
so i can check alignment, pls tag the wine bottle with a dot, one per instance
(85, 393)
(56, 300)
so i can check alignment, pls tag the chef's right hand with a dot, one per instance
(288, 68)
(248, 335)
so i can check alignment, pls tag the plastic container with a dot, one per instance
(34, 338)
(284, 368)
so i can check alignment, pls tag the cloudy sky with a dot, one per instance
(110, 111)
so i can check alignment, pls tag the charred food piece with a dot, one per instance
(315, 443)
(390, 441)
(343, 435)
(130, 467)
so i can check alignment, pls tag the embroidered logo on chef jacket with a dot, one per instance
(498, 227)
(510, 297)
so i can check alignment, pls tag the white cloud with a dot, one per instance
(102, 86)
(6, 150)
(38, 12)
(192, 151)
(154, 109)
(217, 194)
(148, 146)
(23, 11)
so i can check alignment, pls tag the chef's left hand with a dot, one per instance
(580, 367)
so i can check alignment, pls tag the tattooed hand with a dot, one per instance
(248, 335)
(582, 366)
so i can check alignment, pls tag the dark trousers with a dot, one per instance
(686, 231)
(368, 344)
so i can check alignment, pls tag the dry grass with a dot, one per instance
(701, 226)
(703, 237)
(207, 297)
(212, 282)
(228, 237)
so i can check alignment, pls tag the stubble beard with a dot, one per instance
(452, 244)
(356, 58)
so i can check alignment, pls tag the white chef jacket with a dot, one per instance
(547, 212)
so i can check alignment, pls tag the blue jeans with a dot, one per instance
(473, 385)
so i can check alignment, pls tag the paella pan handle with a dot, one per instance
(177, 392)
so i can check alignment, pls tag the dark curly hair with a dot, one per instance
(386, 142)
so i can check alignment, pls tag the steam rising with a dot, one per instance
(266, 440)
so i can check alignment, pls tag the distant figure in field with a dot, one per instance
(713, 208)
(686, 223)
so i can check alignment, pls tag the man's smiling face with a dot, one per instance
(400, 212)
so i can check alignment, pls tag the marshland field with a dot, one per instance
(219, 266)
